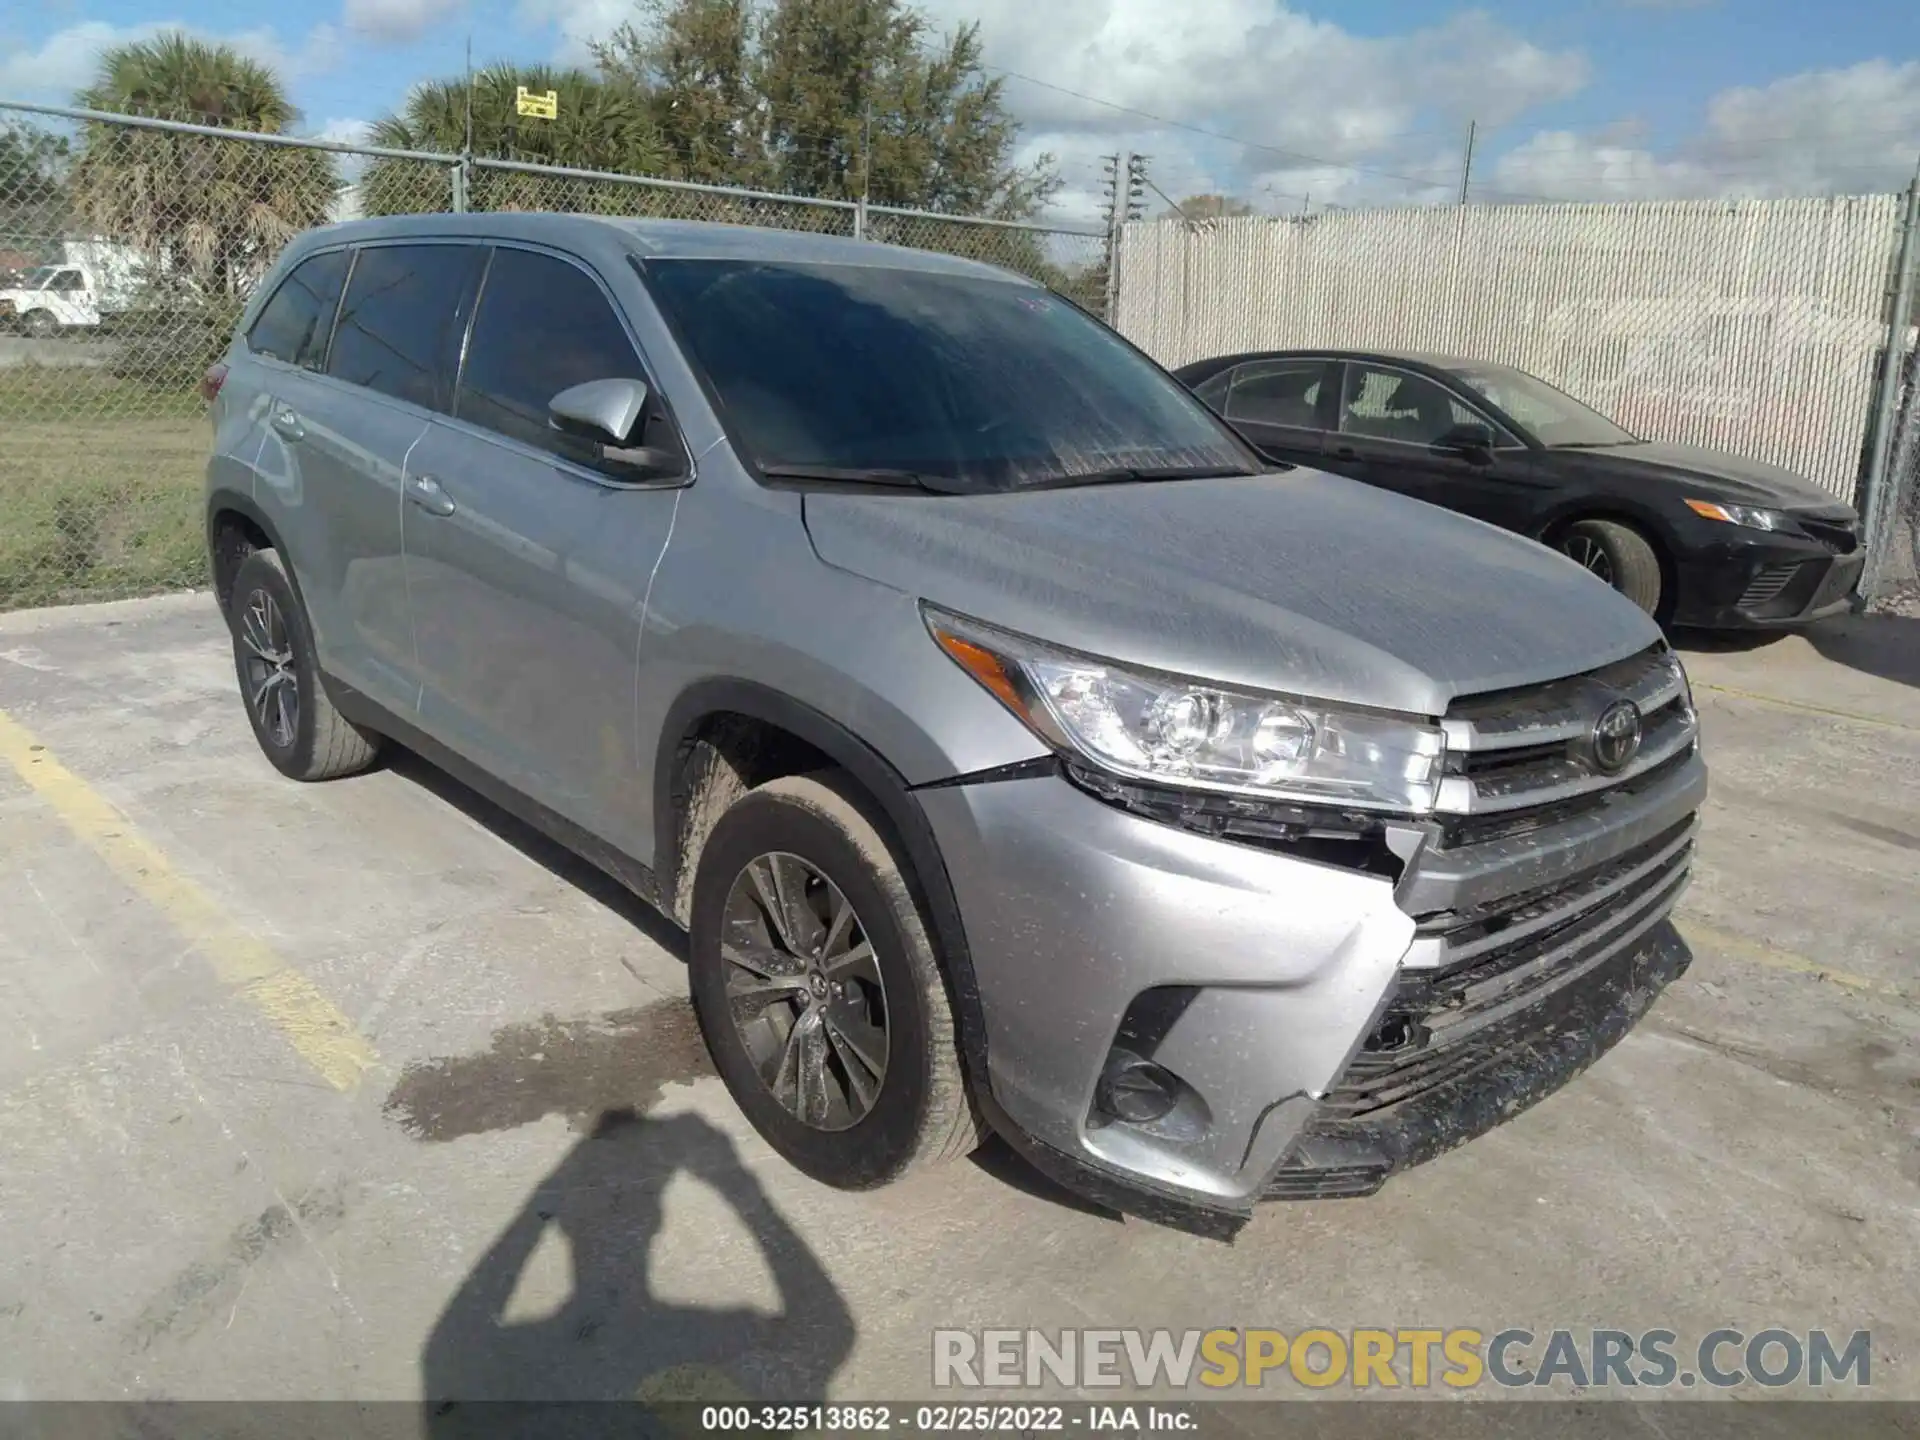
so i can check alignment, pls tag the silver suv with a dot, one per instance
(1018, 749)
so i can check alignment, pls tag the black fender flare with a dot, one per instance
(927, 870)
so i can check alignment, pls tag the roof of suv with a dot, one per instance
(678, 239)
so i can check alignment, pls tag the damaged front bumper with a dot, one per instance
(1320, 1025)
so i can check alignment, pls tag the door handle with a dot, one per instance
(425, 491)
(1345, 452)
(288, 424)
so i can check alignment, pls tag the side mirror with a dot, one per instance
(1472, 441)
(606, 414)
(602, 410)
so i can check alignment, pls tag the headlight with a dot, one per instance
(1747, 515)
(1191, 733)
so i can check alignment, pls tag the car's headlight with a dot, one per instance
(1192, 733)
(1747, 515)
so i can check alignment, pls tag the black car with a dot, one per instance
(1695, 537)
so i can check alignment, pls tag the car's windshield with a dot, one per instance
(975, 383)
(1555, 417)
(38, 277)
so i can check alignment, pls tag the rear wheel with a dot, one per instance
(1617, 554)
(818, 991)
(274, 659)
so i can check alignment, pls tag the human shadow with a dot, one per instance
(611, 1339)
(1886, 646)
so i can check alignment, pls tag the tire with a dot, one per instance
(919, 1112)
(40, 324)
(299, 730)
(1617, 554)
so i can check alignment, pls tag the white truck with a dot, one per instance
(94, 280)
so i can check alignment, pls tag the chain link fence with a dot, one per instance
(1752, 327)
(129, 247)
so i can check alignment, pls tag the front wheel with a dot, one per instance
(39, 324)
(1617, 554)
(818, 991)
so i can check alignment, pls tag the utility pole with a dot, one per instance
(463, 172)
(1114, 166)
(1466, 165)
(866, 175)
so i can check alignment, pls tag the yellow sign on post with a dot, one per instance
(541, 107)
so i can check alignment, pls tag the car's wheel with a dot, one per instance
(818, 990)
(273, 656)
(1617, 554)
(40, 324)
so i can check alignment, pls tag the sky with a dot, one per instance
(1291, 106)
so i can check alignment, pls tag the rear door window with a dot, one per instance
(543, 326)
(401, 321)
(296, 322)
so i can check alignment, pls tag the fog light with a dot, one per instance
(1137, 1091)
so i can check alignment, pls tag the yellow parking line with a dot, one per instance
(1701, 935)
(292, 1003)
(1807, 705)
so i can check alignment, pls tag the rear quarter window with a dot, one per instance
(296, 322)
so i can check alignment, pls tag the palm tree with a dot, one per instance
(209, 210)
(599, 125)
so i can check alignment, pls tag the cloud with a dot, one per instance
(580, 22)
(67, 60)
(395, 20)
(1838, 131)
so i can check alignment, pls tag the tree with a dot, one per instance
(830, 99)
(210, 211)
(33, 172)
(694, 61)
(599, 124)
(1209, 207)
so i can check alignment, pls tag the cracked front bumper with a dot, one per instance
(1290, 996)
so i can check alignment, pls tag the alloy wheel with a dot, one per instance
(804, 991)
(273, 692)
(1589, 555)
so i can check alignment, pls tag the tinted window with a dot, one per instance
(543, 325)
(69, 280)
(1554, 417)
(400, 324)
(1395, 405)
(978, 383)
(1277, 392)
(297, 320)
(1213, 390)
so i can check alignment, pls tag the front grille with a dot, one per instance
(1765, 587)
(1472, 983)
(1523, 750)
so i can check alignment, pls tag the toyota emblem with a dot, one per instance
(1616, 737)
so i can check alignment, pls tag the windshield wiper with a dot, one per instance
(861, 475)
(1132, 474)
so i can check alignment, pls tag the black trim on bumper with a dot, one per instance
(1548, 1046)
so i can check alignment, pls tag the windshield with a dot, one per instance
(1555, 417)
(975, 383)
(38, 277)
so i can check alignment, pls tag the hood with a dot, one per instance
(1299, 582)
(1732, 478)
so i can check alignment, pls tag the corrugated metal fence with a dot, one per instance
(1754, 327)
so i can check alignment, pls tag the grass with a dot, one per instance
(100, 482)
